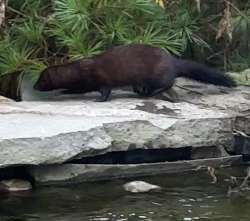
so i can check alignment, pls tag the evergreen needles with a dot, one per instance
(46, 32)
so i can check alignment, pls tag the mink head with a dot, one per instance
(44, 83)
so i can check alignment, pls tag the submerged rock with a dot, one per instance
(14, 185)
(140, 187)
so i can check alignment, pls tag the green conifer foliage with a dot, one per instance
(39, 33)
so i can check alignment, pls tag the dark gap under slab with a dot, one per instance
(137, 156)
(16, 172)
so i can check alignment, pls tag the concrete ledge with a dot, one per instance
(75, 173)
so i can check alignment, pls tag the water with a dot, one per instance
(189, 196)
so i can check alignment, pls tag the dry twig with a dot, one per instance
(211, 172)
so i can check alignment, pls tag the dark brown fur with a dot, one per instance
(132, 65)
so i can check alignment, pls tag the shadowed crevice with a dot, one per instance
(137, 156)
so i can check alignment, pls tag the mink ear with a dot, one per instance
(86, 63)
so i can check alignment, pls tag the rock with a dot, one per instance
(246, 75)
(5, 99)
(34, 133)
(234, 101)
(14, 185)
(208, 152)
(3, 189)
(77, 173)
(242, 78)
(242, 123)
(51, 129)
(140, 187)
(246, 72)
(242, 144)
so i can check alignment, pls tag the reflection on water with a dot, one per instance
(189, 196)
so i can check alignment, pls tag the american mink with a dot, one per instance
(149, 70)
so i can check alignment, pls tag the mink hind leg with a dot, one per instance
(142, 90)
(154, 87)
(147, 88)
(105, 94)
(164, 82)
(168, 95)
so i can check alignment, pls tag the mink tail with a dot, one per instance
(202, 73)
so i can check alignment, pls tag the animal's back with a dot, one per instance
(135, 63)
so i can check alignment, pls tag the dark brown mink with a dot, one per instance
(135, 65)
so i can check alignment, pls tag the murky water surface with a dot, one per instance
(189, 196)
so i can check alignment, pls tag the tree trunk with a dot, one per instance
(2, 13)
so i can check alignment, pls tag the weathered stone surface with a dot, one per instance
(5, 99)
(208, 152)
(242, 123)
(54, 132)
(235, 101)
(75, 173)
(242, 144)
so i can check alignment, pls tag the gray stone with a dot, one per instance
(246, 73)
(242, 123)
(5, 99)
(15, 185)
(140, 187)
(234, 101)
(77, 173)
(208, 152)
(54, 132)
(242, 144)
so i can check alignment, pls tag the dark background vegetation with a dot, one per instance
(38, 33)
